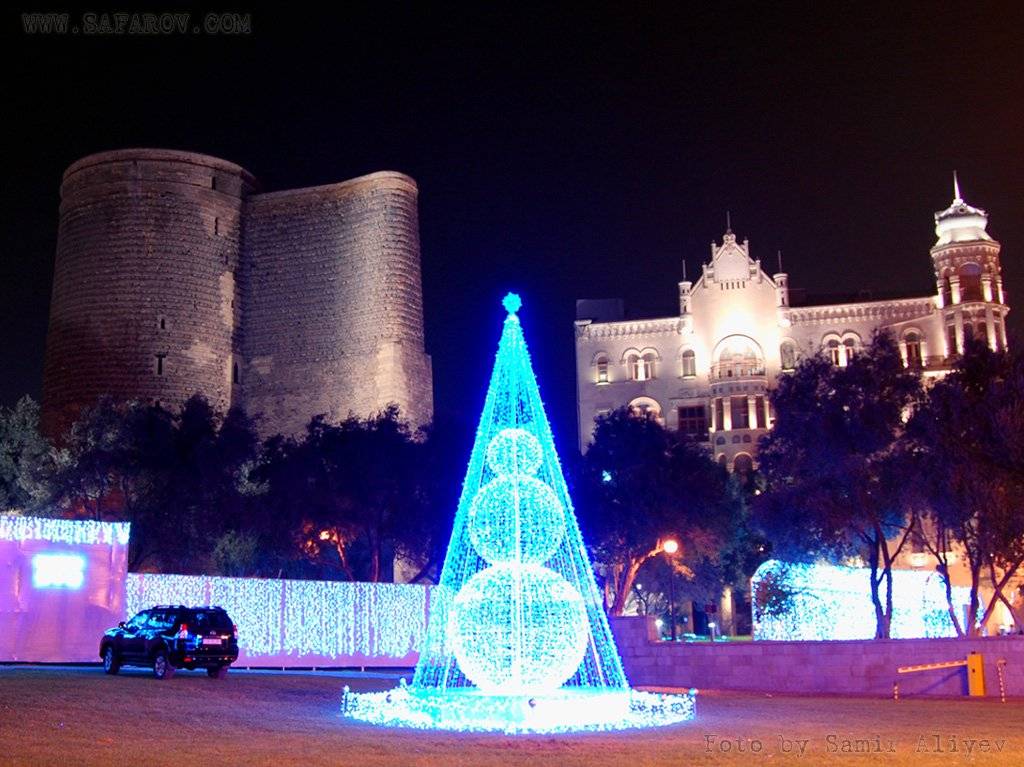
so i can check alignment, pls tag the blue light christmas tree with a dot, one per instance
(517, 640)
(525, 615)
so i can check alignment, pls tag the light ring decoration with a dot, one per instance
(514, 451)
(518, 629)
(524, 504)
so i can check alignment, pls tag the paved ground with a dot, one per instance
(77, 716)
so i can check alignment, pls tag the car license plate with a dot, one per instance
(211, 640)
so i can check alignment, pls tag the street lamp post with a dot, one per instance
(670, 547)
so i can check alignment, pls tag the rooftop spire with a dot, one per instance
(728, 223)
(956, 189)
(780, 262)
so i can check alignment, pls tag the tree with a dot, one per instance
(176, 477)
(637, 485)
(832, 468)
(966, 447)
(24, 454)
(348, 494)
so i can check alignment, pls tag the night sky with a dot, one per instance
(559, 154)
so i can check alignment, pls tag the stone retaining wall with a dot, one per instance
(857, 667)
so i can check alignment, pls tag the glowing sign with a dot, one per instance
(58, 571)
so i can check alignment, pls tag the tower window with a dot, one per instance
(951, 339)
(234, 372)
(740, 413)
(720, 413)
(162, 323)
(759, 413)
(160, 364)
(970, 282)
(216, 225)
(602, 368)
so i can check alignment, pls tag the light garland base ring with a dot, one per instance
(568, 709)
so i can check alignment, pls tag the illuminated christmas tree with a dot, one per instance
(517, 639)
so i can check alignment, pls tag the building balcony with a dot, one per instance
(736, 372)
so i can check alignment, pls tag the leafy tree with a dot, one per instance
(176, 477)
(235, 553)
(966, 468)
(442, 450)
(24, 455)
(831, 466)
(639, 484)
(349, 495)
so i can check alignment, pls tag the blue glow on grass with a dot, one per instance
(517, 639)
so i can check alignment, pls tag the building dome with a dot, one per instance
(960, 222)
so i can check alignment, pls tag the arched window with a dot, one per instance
(832, 349)
(737, 357)
(646, 407)
(689, 364)
(912, 340)
(640, 365)
(787, 352)
(970, 282)
(601, 363)
(743, 464)
(849, 349)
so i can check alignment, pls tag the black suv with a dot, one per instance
(167, 637)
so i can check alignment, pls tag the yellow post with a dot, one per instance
(975, 675)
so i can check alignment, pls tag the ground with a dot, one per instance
(78, 716)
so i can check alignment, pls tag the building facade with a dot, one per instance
(708, 371)
(175, 274)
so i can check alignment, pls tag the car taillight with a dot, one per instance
(183, 631)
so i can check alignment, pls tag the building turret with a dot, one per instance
(968, 276)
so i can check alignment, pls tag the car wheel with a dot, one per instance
(111, 665)
(162, 668)
(217, 672)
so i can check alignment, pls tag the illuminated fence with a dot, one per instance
(820, 601)
(302, 623)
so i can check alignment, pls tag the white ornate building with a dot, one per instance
(708, 370)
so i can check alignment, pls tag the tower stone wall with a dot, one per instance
(333, 310)
(175, 276)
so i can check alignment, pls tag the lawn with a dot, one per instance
(78, 716)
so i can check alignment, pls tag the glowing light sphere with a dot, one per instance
(514, 451)
(512, 303)
(516, 519)
(518, 629)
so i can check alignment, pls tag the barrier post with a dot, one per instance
(1000, 665)
(975, 675)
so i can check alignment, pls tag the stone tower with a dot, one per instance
(968, 276)
(174, 275)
